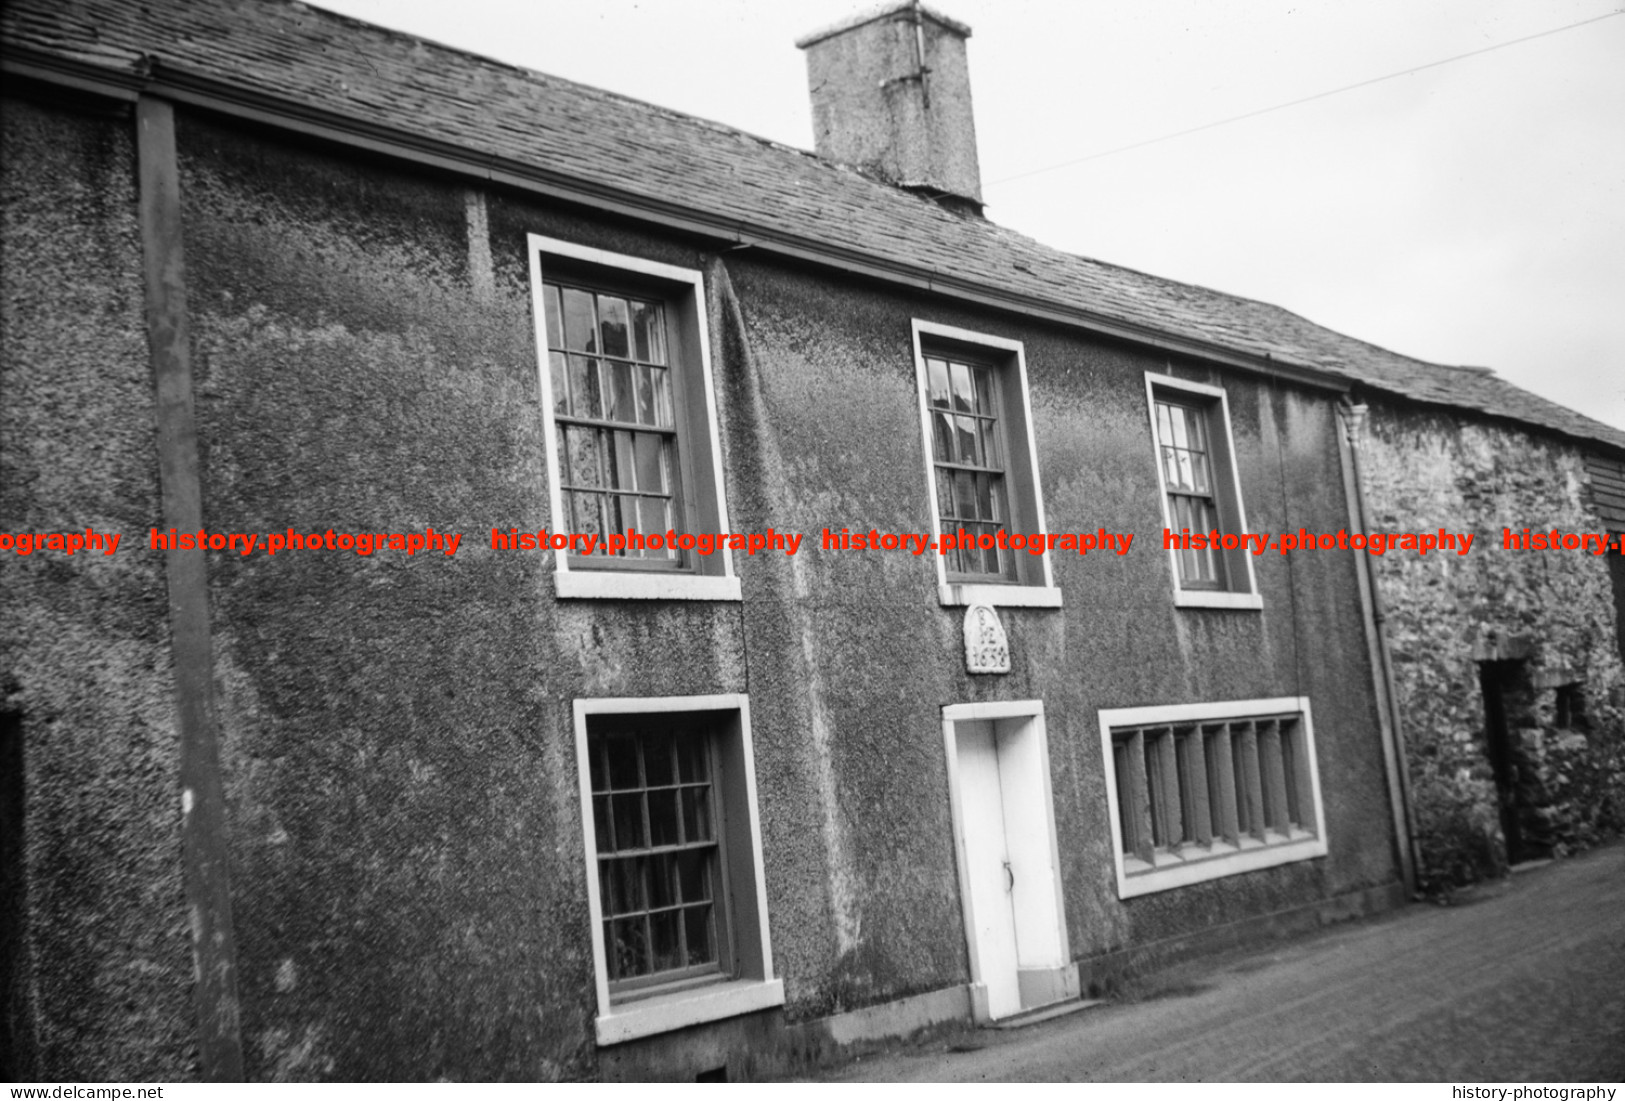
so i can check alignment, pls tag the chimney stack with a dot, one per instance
(891, 97)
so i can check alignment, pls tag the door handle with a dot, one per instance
(1011, 873)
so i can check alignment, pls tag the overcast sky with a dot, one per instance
(1468, 213)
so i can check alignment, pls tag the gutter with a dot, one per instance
(1351, 418)
(247, 104)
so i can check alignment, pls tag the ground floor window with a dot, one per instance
(675, 879)
(1199, 791)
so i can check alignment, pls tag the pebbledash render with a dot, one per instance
(525, 813)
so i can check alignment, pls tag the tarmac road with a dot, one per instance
(1521, 981)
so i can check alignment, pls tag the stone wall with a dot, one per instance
(1539, 624)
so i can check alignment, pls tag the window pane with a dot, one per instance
(645, 394)
(936, 372)
(618, 459)
(658, 766)
(945, 496)
(600, 824)
(623, 885)
(702, 946)
(965, 494)
(663, 940)
(942, 438)
(663, 818)
(614, 321)
(584, 397)
(628, 948)
(555, 318)
(990, 556)
(964, 393)
(586, 511)
(579, 323)
(620, 403)
(623, 762)
(664, 417)
(991, 455)
(662, 881)
(697, 814)
(984, 392)
(648, 341)
(650, 461)
(693, 764)
(628, 812)
(985, 508)
(561, 383)
(965, 440)
(694, 875)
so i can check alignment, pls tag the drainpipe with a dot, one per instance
(1351, 418)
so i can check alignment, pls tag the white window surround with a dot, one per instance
(1134, 878)
(631, 584)
(680, 1008)
(1044, 594)
(1251, 599)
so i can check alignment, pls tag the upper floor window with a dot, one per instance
(981, 468)
(632, 441)
(1201, 494)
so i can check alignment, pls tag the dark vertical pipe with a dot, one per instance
(203, 819)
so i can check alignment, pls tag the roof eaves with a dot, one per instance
(256, 105)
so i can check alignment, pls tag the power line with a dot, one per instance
(1296, 102)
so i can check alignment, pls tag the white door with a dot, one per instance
(987, 865)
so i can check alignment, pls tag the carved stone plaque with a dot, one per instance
(987, 650)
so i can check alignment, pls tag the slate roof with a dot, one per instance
(306, 57)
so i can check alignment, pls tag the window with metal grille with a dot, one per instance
(1195, 786)
(968, 457)
(614, 415)
(659, 866)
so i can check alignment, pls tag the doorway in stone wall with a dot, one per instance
(1509, 700)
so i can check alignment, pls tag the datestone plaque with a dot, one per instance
(987, 650)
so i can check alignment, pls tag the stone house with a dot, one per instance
(341, 766)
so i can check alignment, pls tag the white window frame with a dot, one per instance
(631, 584)
(1222, 859)
(1040, 594)
(1219, 403)
(691, 1005)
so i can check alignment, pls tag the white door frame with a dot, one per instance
(1047, 972)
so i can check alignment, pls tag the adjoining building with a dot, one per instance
(618, 809)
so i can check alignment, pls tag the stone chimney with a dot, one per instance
(891, 97)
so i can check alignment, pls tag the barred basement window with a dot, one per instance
(1207, 790)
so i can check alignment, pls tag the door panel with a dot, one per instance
(987, 865)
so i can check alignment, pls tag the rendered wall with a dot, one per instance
(407, 866)
(1447, 613)
(105, 966)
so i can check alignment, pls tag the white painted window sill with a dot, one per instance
(1207, 598)
(963, 595)
(626, 585)
(1195, 865)
(682, 1008)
